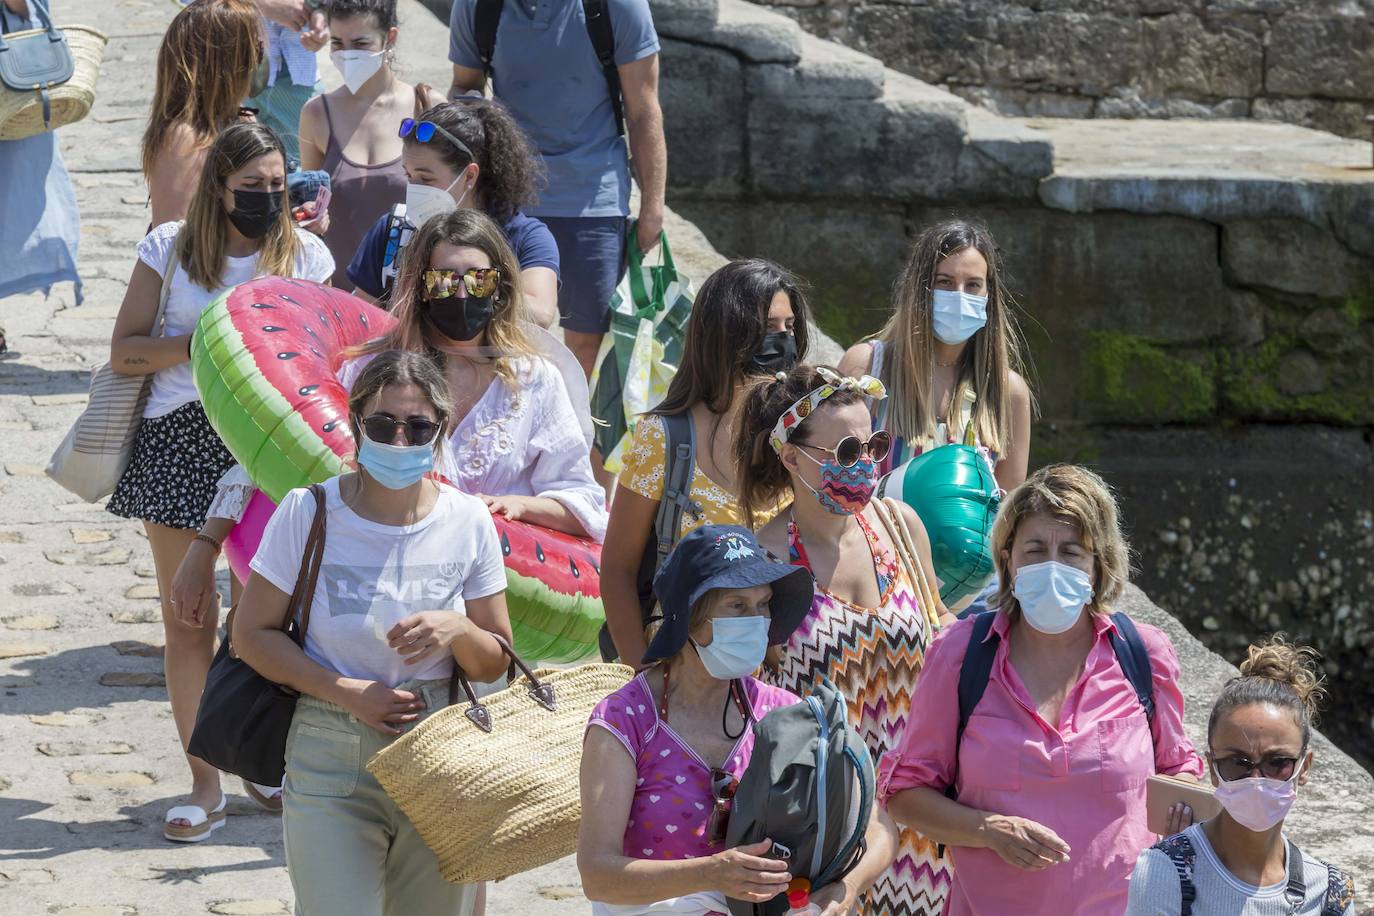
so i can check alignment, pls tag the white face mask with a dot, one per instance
(424, 202)
(957, 316)
(1052, 595)
(357, 66)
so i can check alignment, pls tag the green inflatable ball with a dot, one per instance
(954, 492)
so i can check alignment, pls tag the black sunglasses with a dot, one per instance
(1276, 766)
(381, 428)
(723, 788)
(850, 449)
(424, 131)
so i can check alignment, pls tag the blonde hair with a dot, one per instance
(466, 229)
(908, 338)
(1280, 674)
(402, 367)
(1078, 496)
(206, 231)
(205, 68)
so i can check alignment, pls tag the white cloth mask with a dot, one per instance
(1257, 802)
(357, 66)
(424, 202)
(738, 645)
(1052, 595)
(957, 316)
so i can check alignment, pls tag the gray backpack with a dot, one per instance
(808, 786)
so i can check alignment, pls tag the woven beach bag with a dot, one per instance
(36, 92)
(493, 788)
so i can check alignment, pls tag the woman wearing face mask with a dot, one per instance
(1239, 863)
(662, 753)
(951, 355)
(467, 154)
(750, 319)
(238, 228)
(1043, 797)
(411, 582)
(351, 132)
(205, 68)
(805, 437)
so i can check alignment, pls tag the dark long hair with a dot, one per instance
(729, 320)
(508, 172)
(1278, 674)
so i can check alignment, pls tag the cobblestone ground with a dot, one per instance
(91, 759)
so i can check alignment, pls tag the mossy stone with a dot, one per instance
(1134, 380)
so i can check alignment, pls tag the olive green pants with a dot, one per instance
(349, 850)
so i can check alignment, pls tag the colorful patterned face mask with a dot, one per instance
(845, 490)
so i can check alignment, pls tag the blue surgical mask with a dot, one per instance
(958, 316)
(395, 466)
(1052, 595)
(737, 647)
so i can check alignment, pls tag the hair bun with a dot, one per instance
(1278, 660)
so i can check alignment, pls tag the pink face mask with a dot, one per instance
(1258, 803)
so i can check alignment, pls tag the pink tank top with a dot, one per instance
(359, 196)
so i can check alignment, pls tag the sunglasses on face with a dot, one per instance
(851, 448)
(479, 282)
(723, 788)
(381, 428)
(424, 131)
(1276, 766)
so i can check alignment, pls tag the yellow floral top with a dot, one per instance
(643, 472)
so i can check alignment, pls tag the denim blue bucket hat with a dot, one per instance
(724, 556)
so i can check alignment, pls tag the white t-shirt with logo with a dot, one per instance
(174, 387)
(374, 575)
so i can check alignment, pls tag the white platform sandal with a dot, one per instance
(268, 797)
(199, 823)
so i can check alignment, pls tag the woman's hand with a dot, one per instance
(512, 507)
(1180, 818)
(743, 873)
(419, 636)
(378, 706)
(835, 899)
(1024, 843)
(193, 586)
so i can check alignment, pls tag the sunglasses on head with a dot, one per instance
(1274, 766)
(381, 428)
(478, 282)
(723, 788)
(424, 131)
(851, 448)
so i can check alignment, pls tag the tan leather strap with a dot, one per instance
(897, 530)
(303, 596)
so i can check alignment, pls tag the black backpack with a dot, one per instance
(680, 460)
(1340, 889)
(809, 786)
(487, 17)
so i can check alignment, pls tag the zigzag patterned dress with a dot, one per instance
(872, 656)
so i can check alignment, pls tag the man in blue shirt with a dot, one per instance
(544, 67)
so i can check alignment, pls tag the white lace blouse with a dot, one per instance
(522, 440)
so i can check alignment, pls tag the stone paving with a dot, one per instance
(91, 755)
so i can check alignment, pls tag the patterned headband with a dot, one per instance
(787, 424)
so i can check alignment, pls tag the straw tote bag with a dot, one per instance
(493, 788)
(93, 457)
(47, 75)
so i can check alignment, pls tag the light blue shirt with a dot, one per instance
(284, 49)
(544, 69)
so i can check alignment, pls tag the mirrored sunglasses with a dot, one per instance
(381, 428)
(851, 448)
(424, 131)
(479, 282)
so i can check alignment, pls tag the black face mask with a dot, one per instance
(778, 353)
(255, 212)
(460, 319)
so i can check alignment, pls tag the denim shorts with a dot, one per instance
(591, 255)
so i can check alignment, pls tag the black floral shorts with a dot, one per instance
(174, 472)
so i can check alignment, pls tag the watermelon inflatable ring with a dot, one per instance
(953, 490)
(264, 356)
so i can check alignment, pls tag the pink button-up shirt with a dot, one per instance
(1084, 779)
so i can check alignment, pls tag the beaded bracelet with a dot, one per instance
(201, 536)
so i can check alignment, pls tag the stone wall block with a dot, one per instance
(1066, 51)
(702, 94)
(1020, 103)
(1127, 103)
(1330, 57)
(755, 34)
(684, 18)
(1199, 58)
(1345, 119)
(1292, 256)
(825, 70)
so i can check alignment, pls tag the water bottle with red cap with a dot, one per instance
(799, 899)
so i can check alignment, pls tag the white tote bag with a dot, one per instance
(92, 458)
